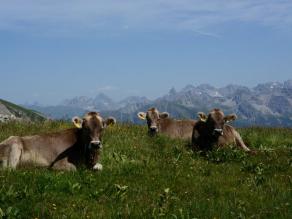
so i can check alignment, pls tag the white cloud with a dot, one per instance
(75, 16)
(106, 88)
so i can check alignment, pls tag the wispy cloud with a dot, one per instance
(106, 88)
(62, 16)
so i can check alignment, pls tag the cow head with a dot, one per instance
(153, 117)
(92, 126)
(215, 121)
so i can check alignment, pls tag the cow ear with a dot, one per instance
(141, 115)
(77, 122)
(230, 118)
(110, 121)
(202, 116)
(163, 115)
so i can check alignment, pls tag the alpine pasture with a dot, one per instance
(155, 177)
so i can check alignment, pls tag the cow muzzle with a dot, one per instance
(153, 129)
(96, 144)
(218, 132)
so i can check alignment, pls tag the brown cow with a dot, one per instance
(212, 130)
(63, 150)
(161, 123)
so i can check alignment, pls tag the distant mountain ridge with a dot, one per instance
(101, 102)
(268, 104)
(10, 111)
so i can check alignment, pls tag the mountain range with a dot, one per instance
(267, 104)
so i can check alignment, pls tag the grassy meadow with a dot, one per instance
(146, 177)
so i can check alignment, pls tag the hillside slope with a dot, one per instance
(10, 111)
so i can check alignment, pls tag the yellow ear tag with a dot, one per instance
(78, 125)
(112, 124)
(203, 120)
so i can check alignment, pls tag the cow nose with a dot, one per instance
(218, 131)
(153, 129)
(96, 144)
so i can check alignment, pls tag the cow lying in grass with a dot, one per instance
(212, 131)
(161, 123)
(63, 150)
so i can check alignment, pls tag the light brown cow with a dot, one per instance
(63, 150)
(161, 123)
(212, 131)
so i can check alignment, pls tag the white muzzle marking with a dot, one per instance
(220, 131)
(97, 143)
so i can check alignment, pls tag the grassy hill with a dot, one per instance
(147, 177)
(21, 112)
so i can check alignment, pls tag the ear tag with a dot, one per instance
(78, 125)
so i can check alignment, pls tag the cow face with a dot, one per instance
(153, 117)
(216, 120)
(92, 126)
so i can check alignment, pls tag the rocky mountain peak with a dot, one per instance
(172, 91)
(288, 84)
(266, 104)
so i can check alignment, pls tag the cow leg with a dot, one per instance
(14, 156)
(239, 142)
(64, 165)
(4, 152)
(97, 167)
(10, 152)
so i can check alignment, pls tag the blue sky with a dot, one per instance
(53, 50)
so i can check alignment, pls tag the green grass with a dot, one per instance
(147, 177)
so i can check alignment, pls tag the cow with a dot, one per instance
(212, 131)
(63, 150)
(161, 123)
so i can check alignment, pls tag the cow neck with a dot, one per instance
(81, 142)
(82, 146)
(161, 124)
(92, 158)
(206, 133)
